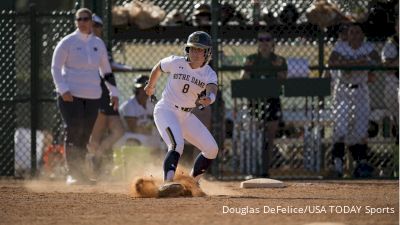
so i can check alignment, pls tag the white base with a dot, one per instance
(262, 183)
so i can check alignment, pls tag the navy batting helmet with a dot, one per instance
(139, 82)
(200, 39)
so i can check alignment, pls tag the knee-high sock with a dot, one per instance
(200, 166)
(170, 163)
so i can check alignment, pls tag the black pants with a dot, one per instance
(79, 117)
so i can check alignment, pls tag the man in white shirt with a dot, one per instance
(137, 117)
(351, 100)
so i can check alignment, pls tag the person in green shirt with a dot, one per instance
(275, 67)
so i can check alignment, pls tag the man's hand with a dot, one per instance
(114, 102)
(67, 97)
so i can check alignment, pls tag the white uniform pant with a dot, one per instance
(351, 113)
(175, 126)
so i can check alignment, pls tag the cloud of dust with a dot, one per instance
(124, 172)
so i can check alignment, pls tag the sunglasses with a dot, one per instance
(265, 39)
(84, 19)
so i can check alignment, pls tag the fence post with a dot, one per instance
(35, 56)
(320, 103)
(108, 22)
(8, 91)
(321, 56)
(214, 33)
(218, 112)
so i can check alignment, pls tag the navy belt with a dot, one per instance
(183, 108)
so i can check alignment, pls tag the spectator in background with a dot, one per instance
(108, 127)
(75, 67)
(201, 15)
(137, 117)
(351, 100)
(390, 57)
(276, 67)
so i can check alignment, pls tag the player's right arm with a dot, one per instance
(59, 58)
(154, 75)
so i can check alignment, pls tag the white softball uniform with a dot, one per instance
(351, 98)
(172, 114)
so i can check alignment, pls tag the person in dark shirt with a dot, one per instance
(276, 67)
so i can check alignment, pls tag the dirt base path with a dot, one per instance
(302, 202)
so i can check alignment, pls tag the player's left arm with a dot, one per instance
(210, 96)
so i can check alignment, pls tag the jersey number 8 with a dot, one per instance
(185, 88)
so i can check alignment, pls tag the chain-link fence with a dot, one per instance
(27, 96)
(304, 138)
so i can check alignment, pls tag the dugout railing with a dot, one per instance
(29, 111)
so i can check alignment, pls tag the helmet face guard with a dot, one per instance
(199, 39)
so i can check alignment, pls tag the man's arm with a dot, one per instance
(337, 59)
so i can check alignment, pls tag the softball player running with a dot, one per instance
(189, 76)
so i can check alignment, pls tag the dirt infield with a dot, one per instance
(302, 202)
